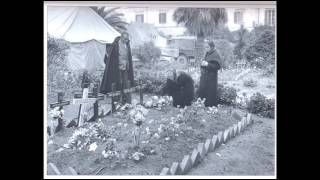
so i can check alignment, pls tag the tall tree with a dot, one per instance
(200, 22)
(112, 18)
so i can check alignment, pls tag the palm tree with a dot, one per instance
(112, 18)
(200, 22)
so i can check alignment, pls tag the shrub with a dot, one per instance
(261, 47)
(240, 45)
(152, 85)
(259, 104)
(147, 52)
(250, 83)
(226, 95)
(225, 50)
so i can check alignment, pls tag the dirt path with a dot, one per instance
(251, 153)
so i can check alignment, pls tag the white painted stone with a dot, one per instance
(208, 146)
(72, 171)
(201, 150)
(231, 132)
(249, 118)
(226, 135)
(220, 137)
(239, 128)
(195, 157)
(175, 169)
(186, 164)
(165, 171)
(235, 129)
(53, 170)
(244, 121)
(215, 142)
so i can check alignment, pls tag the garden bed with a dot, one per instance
(167, 148)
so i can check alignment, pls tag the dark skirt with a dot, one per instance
(208, 87)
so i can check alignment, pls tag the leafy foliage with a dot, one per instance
(261, 47)
(226, 95)
(147, 53)
(225, 50)
(112, 18)
(250, 83)
(200, 21)
(259, 104)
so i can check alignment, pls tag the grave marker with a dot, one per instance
(59, 104)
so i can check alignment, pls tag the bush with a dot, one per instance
(153, 85)
(241, 34)
(260, 51)
(259, 104)
(147, 52)
(250, 83)
(226, 95)
(225, 50)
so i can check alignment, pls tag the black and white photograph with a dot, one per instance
(160, 89)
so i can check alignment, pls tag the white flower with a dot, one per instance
(125, 124)
(156, 135)
(93, 146)
(60, 149)
(167, 138)
(119, 124)
(148, 104)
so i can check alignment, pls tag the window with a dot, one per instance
(140, 18)
(238, 16)
(269, 18)
(162, 18)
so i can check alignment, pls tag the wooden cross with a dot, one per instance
(87, 100)
(120, 93)
(95, 94)
(59, 104)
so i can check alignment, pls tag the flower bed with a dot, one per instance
(166, 135)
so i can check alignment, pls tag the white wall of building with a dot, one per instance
(251, 17)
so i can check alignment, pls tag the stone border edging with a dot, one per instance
(199, 153)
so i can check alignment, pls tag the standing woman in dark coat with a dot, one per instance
(209, 76)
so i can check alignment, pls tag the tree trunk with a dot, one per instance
(200, 50)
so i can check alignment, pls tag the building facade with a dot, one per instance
(162, 18)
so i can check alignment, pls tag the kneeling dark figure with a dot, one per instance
(181, 89)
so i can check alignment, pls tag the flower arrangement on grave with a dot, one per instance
(138, 156)
(137, 116)
(158, 102)
(88, 136)
(56, 113)
(242, 100)
(109, 152)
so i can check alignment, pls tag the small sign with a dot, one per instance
(113, 94)
(84, 101)
(59, 104)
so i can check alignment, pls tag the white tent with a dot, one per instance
(87, 33)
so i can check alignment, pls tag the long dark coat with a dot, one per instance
(112, 71)
(209, 78)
